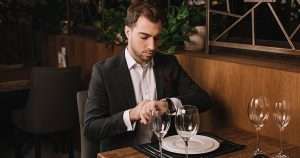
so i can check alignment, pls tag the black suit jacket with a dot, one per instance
(111, 93)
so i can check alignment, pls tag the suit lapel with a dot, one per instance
(158, 72)
(123, 76)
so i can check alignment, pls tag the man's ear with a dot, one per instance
(127, 31)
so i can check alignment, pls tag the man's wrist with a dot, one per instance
(132, 115)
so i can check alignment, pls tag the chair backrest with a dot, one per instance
(52, 100)
(89, 149)
(81, 99)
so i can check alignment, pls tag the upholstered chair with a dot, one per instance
(51, 107)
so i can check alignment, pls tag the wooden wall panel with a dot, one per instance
(81, 51)
(231, 85)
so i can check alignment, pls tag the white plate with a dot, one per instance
(198, 144)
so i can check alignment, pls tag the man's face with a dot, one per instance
(143, 39)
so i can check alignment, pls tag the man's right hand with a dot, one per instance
(143, 111)
(134, 113)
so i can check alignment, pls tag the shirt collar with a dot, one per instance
(131, 61)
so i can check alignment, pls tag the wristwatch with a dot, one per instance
(171, 106)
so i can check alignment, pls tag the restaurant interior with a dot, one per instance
(244, 53)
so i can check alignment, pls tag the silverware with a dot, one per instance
(151, 152)
(157, 151)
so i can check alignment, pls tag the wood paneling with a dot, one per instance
(81, 51)
(231, 85)
(15, 74)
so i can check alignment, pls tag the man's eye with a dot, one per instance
(144, 37)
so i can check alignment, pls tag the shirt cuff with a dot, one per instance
(176, 102)
(130, 126)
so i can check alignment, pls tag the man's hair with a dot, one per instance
(145, 9)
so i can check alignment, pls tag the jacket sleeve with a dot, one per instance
(99, 122)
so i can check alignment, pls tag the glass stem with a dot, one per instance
(258, 139)
(160, 147)
(280, 140)
(186, 148)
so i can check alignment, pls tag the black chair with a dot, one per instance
(89, 148)
(51, 107)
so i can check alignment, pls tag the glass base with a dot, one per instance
(280, 155)
(260, 156)
(258, 151)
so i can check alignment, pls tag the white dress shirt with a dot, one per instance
(144, 85)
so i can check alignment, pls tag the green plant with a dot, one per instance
(180, 22)
(197, 15)
(111, 25)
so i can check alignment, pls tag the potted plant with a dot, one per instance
(196, 35)
(179, 26)
(176, 24)
(111, 25)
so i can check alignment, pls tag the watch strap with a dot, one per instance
(171, 106)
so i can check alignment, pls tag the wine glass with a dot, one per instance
(187, 123)
(258, 112)
(160, 126)
(281, 116)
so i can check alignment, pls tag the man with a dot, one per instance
(125, 89)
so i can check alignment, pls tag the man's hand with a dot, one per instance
(144, 110)
(134, 113)
(162, 106)
(150, 107)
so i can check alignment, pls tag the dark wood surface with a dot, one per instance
(13, 95)
(14, 74)
(269, 145)
(9, 86)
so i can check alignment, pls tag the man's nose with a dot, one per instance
(151, 44)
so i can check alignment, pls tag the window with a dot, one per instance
(270, 26)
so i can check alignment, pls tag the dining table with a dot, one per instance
(13, 95)
(14, 85)
(248, 139)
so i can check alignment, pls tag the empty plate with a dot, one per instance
(198, 144)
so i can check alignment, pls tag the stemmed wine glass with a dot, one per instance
(187, 123)
(258, 112)
(281, 116)
(160, 126)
